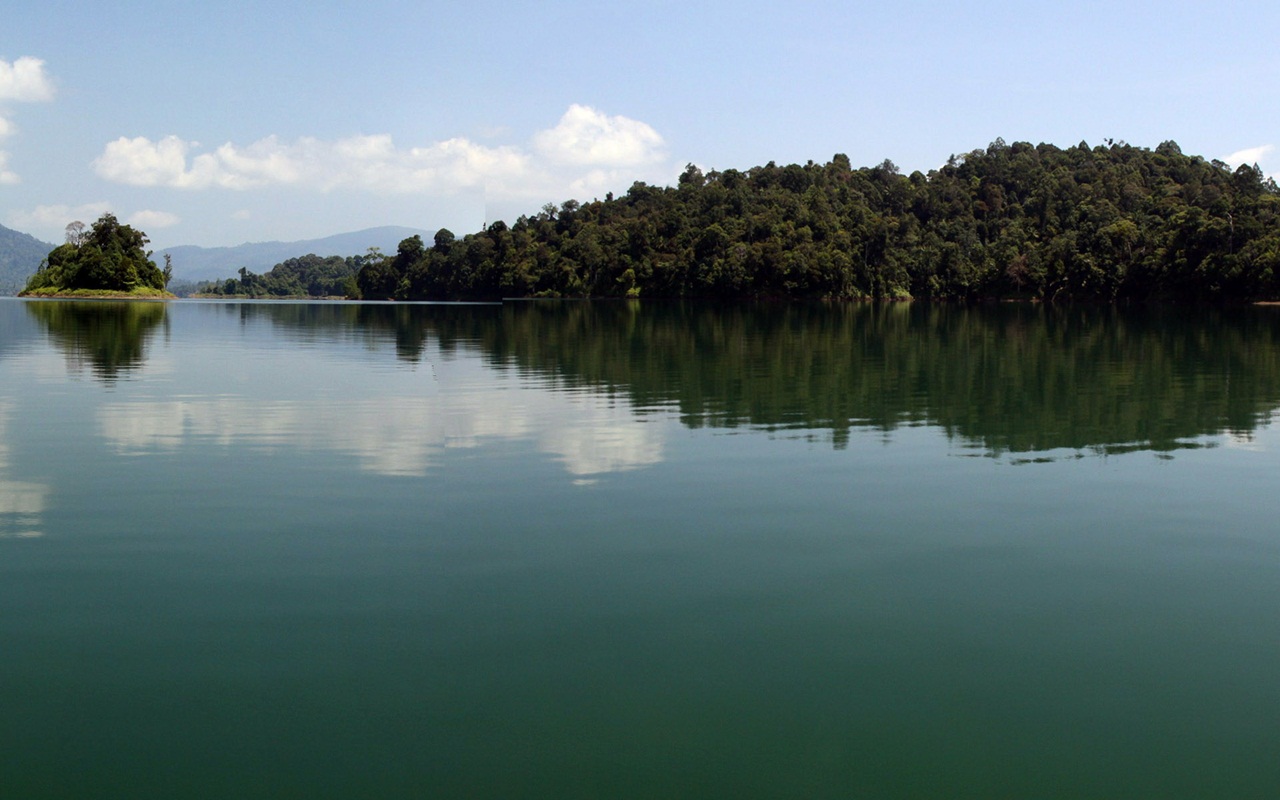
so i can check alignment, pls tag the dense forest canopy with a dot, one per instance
(109, 256)
(307, 276)
(1108, 223)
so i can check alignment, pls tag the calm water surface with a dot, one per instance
(607, 550)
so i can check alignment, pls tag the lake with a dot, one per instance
(578, 550)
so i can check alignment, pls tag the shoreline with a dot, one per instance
(97, 294)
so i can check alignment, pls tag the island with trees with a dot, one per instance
(1108, 223)
(108, 259)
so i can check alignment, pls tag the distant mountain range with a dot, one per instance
(20, 257)
(191, 263)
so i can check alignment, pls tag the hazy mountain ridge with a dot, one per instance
(192, 263)
(20, 257)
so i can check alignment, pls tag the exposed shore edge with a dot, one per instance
(48, 293)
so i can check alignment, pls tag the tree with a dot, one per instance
(411, 251)
(692, 177)
(75, 233)
(377, 279)
(109, 257)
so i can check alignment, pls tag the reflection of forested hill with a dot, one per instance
(110, 336)
(1011, 378)
(453, 326)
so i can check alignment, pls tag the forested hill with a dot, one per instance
(20, 257)
(306, 276)
(1108, 223)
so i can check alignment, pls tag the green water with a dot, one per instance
(605, 550)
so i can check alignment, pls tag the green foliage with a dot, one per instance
(110, 258)
(1105, 224)
(307, 276)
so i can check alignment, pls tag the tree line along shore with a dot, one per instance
(1107, 223)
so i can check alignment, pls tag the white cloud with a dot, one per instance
(49, 221)
(25, 81)
(1260, 156)
(367, 162)
(7, 177)
(22, 81)
(141, 162)
(585, 151)
(146, 220)
(243, 213)
(587, 137)
(1250, 155)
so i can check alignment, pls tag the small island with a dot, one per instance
(107, 260)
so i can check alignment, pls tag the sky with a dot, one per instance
(216, 124)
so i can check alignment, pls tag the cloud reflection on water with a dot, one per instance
(397, 436)
(22, 504)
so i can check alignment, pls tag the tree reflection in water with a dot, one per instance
(1019, 380)
(109, 336)
(1010, 379)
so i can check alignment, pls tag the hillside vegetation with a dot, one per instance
(1108, 223)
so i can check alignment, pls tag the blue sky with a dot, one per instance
(216, 124)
